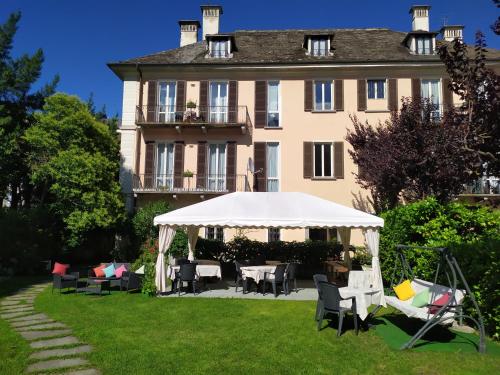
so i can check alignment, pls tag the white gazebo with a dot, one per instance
(265, 210)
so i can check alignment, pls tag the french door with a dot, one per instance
(217, 167)
(430, 90)
(165, 165)
(218, 102)
(166, 101)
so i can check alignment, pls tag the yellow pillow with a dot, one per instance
(404, 291)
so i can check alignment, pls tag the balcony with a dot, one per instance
(203, 118)
(192, 184)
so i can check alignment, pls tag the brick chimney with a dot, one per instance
(420, 17)
(211, 16)
(189, 32)
(452, 32)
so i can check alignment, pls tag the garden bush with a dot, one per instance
(471, 232)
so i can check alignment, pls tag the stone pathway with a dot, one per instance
(54, 349)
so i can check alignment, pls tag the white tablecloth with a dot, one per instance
(202, 270)
(256, 272)
(364, 298)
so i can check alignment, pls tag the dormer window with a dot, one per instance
(424, 45)
(219, 49)
(318, 45)
(421, 42)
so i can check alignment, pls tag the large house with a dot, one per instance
(267, 110)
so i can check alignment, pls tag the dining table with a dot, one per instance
(257, 272)
(365, 297)
(202, 270)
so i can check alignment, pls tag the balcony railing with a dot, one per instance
(196, 183)
(216, 116)
(483, 186)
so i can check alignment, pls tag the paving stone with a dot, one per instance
(30, 317)
(89, 371)
(68, 340)
(10, 303)
(44, 354)
(35, 335)
(26, 323)
(55, 364)
(42, 326)
(17, 308)
(12, 315)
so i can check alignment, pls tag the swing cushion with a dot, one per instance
(440, 302)
(421, 299)
(404, 291)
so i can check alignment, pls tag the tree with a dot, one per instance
(496, 26)
(411, 156)
(75, 160)
(17, 105)
(479, 89)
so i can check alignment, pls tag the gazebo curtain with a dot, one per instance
(345, 237)
(166, 237)
(192, 234)
(372, 237)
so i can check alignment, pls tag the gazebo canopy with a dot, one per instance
(264, 210)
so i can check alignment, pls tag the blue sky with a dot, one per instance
(80, 36)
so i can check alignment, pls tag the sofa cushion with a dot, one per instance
(404, 291)
(109, 271)
(120, 270)
(421, 299)
(99, 271)
(60, 269)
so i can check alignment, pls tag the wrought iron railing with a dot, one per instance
(191, 183)
(483, 186)
(203, 115)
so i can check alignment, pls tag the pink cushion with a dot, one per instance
(60, 269)
(120, 270)
(440, 302)
(99, 271)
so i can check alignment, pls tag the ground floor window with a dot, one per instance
(322, 234)
(273, 235)
(214, 233)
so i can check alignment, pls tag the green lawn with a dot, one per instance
(140, 335)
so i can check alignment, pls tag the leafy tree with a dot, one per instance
(17, 105)
(479, 89)
(496, 26)
(75, 159)
(411, 156)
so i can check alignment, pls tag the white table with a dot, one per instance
(364, 298)
(256, 272)
(202, 270)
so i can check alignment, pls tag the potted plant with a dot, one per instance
(188, 173)
(190, 104)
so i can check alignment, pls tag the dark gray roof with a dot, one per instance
(286, 47)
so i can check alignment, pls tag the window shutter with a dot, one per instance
(308, 95)
(233, 102)
(392, 91)
(203, 106)
(338, 159)
(447, 94)
(338, 94)
(149, 165)
(260, 104)
(260, 173)
(415, 88)
(231, 166)
(178, 164)
(151, 108)
(201, 165)
(180, 100)
(361, 95)
(308, 159)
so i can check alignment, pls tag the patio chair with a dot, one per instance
(67, 281)
(331, 305)
(275, 278)
(130, 281)
(186, 273)
(318, 278)
(291, 274)
(181, 261)
(239, 278)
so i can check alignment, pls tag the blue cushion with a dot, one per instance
(110, 270)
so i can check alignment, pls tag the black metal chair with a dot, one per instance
(291, 274)
(181, 261)
(331, 305)
(67, 281)
(278, 276)
(318, 278)
(239, 278)
(186, 273)
(130, 281)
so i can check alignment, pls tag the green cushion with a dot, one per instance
(421, 299)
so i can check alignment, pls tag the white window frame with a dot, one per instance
(164, 180)
(323, 109)
(218, 233)
(436, 113)
(323, 159)
(376, 88)
(220, 113)
(278, 177)
(270, 234)
(423, 38)
(218, 180)
(169, 116)
(212, 50)
(310, 45)
(280, 119)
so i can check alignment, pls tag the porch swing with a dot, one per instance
(434, 314)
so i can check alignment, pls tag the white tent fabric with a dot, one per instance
(372, 241)
(345, 237)
(264, 210)
(165, 240)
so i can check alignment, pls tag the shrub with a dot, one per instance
(147, 258)
(142, 221)
(471, 232)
